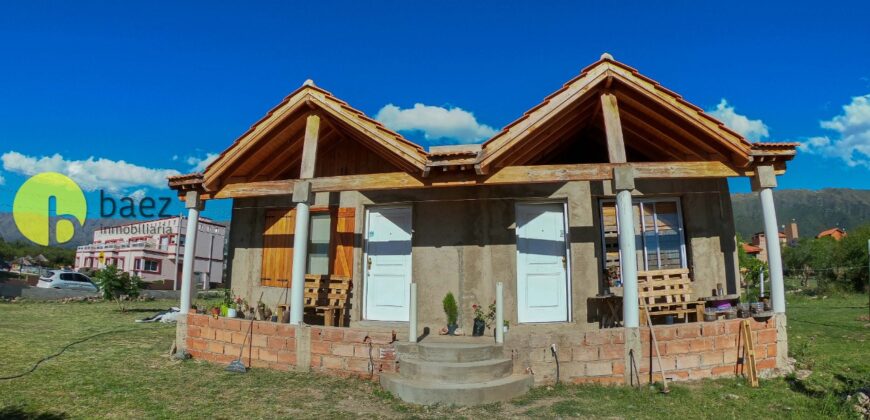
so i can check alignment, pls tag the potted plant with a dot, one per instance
(452, 312)
(479, 321)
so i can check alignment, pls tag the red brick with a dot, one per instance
(611, 352)
(387, 367)
(215, 347)
(239, 337)
(771, 350)
(331, 362)
(584, 353)
(197, 320)
(732, 327)
(712, 329)
(699, 345)
(232, 349)
(358, 365)
(196, 344)
(728, 341)
(345, 350)
(723, 370)
(669, 363)
(268, 355)
(288, 357)
(362, 351)
(224, 336)
(222, 358)
(233, 324)
(699, 373)
(355, 336)
(216, 323)
(689, 331)
(596, 338)
(332, 334)
(617, 336)
(675, 347)
(730, 356)
(193, 331)
(381, 338)
(664, 334)
(321, 347)
(250, 352)
(599, 368)
(196, 354)
(712, 358)
(258, 340)
(766, 364)
(688, 361)
(285, 330)
(266, 328)
(276, 343)
(766, 336)
(257, 363)
(618, 368)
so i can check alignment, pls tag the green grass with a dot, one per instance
(127, 374)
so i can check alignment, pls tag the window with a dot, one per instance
(146, 264)
(318, 244)
(67, 276)
(330, 244)
(658, 229)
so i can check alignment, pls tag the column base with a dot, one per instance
(633, 356)
(782, 363)
(303, 348)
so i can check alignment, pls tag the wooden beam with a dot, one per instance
(613, 128)
(309, 148)
(535, 174)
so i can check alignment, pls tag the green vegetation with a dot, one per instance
(839, 264)
(57, 257)
(117, 285)
(450, 308)
(127, 374)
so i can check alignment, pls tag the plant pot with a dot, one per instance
(710, 317)
(669, 320)
(451, 329)
(479, 328)
(232, 313)
(224, 309)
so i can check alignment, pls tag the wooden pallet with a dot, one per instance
(668, 292)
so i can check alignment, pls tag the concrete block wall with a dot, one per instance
(689, 351)
(330, 350)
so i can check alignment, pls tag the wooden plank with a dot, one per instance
(613, 128)
(342, 242)
(535, 174)
(309, 148)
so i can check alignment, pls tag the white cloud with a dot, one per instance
(174, 157)
(754, 130)
(436, 122)
(91, 174)
(852, 141)
(199, 164)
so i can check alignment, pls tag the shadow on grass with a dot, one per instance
(22, 413)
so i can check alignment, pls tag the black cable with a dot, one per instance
(64, 348)
(555, 356)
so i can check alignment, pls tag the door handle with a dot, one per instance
(369, 263)
(564, 262)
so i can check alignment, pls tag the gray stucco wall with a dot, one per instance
(464, 242)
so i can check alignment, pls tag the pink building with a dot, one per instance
(150, 250)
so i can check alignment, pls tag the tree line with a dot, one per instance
(56, 256)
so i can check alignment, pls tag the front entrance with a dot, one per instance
(542, 263)
(388, 264)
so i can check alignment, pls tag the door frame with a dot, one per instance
(365, 255)
(569, 263)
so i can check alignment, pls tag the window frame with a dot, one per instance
(684, 259)
(139, 265)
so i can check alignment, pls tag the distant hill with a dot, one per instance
(814, 211)
(9, 232)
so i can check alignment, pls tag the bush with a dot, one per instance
(118, 285)
(450, 308)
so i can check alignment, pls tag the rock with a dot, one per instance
(731, 397)
(802, 374)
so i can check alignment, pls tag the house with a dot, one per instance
(751, 250)
(26, 264)
(759, 241)
(150, 249)
(836, 233)
(610, 173)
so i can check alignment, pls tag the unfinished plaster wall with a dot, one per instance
(464, 241)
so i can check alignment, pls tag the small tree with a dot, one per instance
(117, 285)
(450, 308)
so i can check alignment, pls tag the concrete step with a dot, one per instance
(427, 392)
(454, 372)
(458, 352)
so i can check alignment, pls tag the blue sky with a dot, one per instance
(161, 85)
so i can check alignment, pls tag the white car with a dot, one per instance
(69, 280)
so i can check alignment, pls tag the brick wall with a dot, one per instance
(332, 350)
(689, 351)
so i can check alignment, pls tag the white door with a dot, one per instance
(542, 281)
(388, 264)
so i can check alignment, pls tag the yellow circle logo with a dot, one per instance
(32, 208)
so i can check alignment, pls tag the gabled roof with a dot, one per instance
(836, 233)
(750, 249)
(404, 153)
(603, 74)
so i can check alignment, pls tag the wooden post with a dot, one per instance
(309, 147)
(613, 128)
(302, 198)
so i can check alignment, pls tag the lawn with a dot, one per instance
(127, 374)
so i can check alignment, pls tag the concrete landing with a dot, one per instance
(461, 372)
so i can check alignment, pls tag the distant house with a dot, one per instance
(836, 233)
(759, 241)
(751, 250)
(27, 265)
(151, 248)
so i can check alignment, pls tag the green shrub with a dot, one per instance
(450, 308)
(117, 285)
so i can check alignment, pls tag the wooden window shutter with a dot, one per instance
(278, 247)
(342, 242)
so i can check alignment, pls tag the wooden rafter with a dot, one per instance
(613, 129)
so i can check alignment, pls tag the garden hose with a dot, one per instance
(64, 348)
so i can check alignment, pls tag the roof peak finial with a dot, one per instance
(308, 82)
(606, 56)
